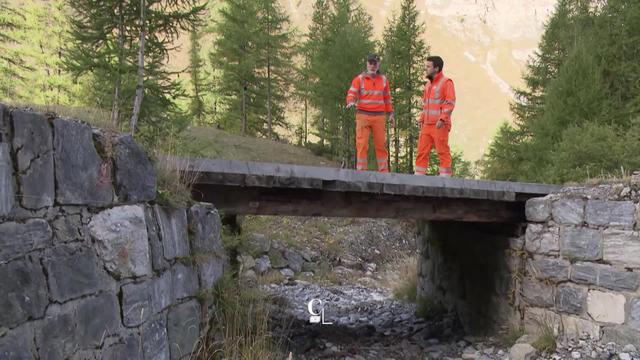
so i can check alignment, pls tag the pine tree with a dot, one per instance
(123, 47)
(11, 59)
(404, 53)
(196, 70)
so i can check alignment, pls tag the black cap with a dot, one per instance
(373, 56)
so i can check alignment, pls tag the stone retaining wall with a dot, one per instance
(583, 262)
(90, 266)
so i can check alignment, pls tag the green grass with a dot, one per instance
(547, 339)
(406, 288)
(217, 144)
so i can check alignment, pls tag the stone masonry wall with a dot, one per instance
(583, 262)
(90, 266)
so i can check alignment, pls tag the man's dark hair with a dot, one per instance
(437, 61)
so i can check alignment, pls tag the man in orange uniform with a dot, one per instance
(370, 90)
(435, 120)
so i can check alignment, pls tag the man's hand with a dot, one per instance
(350, 105)
(440, 124)
(392, 120)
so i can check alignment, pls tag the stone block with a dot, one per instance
(18, 343)
(571, 299)
(136, 178)
(549, 268)
(294, 259)
(538, 209)
(136, 303)
(540, 240)
(205, 228)
(183, 328)
(621, 334)
(18, 239)
(72, 274)
(277, 260)
(634, 313)
(7, 182)
(173, 231)
(574, 327)
(96, 318)
(568, 211)
(606, 307)
(120, 236)
(56, 337)
(579, 243)
(33, 149)
(155, 344)
(537, 293)
(521, 352)
(622, 248)
(263, 264)
(24, 291)
(128, 348)
(162, 294)
(619, 214)
(69, 228)
(184, 281)
(259, 242)
(158, 261)
(82, 177)
(604, 276)
(536, 319)
(210, 271)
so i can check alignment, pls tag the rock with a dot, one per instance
(571, 299)
(621, 335)
(263, 264)
(74, 273)
(525, 339)
(210, 271)
(537, 293)
(249, 275)
(624, 356)
(370, 267)
(540, 241)
(295, 260)
(183, 328)
(56, 337)
(205, 228)
(348, 261)
(261, 243)
(622, 248)
(522, 352)
(538, 209)
(536, 319)
(162, 294)
(69, 228)
(184, 281)
(581, 243)
(246, 261)
(93, 326)
(574, 327)
(93, 186)
(287, 273)
(128, 348)
(552, 269)
(136, 178)
(277, 260)
(629, 348)
(7, 183)
(604, 276)
(120, 236)
(158, 261)
(568, 211)
(606, 307)
(136, 303)
(155, 344)
(24, 292)
(18, 239)
(18, 343)
(33, 148)
(634, 314)
(576, 355)
(611, 213)
(172, 223)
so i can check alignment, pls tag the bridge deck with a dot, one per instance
(242, 187)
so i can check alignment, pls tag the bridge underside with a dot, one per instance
(313, 202)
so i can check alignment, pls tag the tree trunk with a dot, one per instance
(306, 129)
(115, 108)
(137, 103)
(244, 108)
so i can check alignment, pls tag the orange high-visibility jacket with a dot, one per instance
(371, 93)
(438, 101)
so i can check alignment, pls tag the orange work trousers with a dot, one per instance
(430, 136)
(366, 124)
